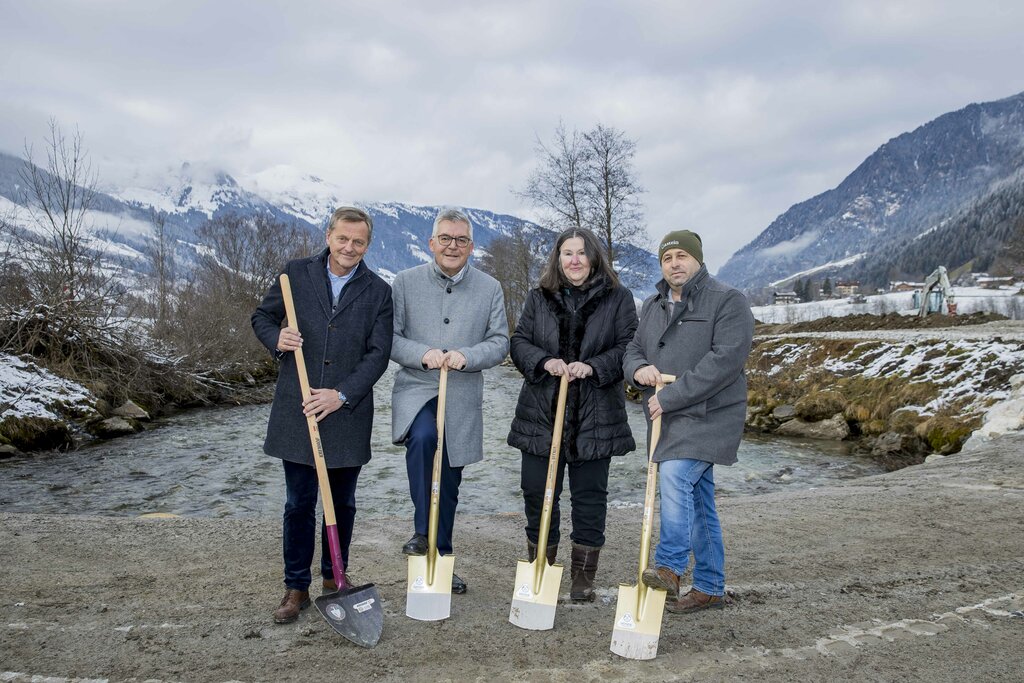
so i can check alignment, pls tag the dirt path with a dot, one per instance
(914, 575)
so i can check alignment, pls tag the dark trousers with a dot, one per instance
(588, 494)
(419, 461)
(300, 520)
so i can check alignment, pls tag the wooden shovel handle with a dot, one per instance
(435, 477)
(314, 440)
(647, 529)
(553, 455)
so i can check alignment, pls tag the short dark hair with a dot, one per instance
(553, 279)
(351, 214)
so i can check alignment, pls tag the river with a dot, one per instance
(209, 462)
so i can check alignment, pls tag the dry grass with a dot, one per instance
(820, 405)
(793, 372)
(904, 421)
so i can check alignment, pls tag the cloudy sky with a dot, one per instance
(738, 109)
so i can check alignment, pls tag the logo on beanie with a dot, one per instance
(687, 240)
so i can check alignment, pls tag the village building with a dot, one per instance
(783, 298)
(844, 288)
(991, 282)
(900, 286)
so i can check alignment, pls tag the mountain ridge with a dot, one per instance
(910, 184)
(188, 196)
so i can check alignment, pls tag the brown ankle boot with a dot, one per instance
(694, 601)
(531, 551)
(662, 578)
(584, 568)
(293, 602)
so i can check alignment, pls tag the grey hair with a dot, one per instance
(455, 216)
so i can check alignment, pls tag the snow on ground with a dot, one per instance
(35, 392)
(1007, 300)
(384, 208)
(8, 208)
(817, 269)
(146, 197)
(418, 252)
(960, 368)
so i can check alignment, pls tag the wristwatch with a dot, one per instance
(341, 397)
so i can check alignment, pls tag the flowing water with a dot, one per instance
(209, 462)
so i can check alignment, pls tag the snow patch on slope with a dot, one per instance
(35, 392)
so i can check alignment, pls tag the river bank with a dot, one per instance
(899, 394)
(912, 575)
(209, 463)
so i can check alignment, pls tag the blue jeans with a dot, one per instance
(420, 446)
(689, 523)
(299, 536)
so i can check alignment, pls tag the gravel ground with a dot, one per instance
(913, 575)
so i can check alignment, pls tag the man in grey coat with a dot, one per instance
(344, 313)
(699, 330)
(447, 313)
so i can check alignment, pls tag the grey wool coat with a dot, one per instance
(704, 340)
(433, 312)
(345, 349)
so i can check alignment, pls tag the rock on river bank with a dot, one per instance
(912, 575)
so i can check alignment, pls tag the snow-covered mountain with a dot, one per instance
(911, 185)
(191, 194)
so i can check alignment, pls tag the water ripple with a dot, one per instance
(210, 463)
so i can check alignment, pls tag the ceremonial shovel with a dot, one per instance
(355, 613)
(429, 595)
(639, 608)
(535, 594)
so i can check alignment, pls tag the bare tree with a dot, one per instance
(65, 272)
(614, 193)
(587, 180)
(70, 316)
(14, 292)
(163, 273)
(211, 321)
(560, 183)
(515, 261)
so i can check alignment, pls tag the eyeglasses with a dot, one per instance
(445, 240)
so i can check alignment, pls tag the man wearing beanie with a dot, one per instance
(699, 330)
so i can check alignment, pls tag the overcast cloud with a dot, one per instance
(739, 109)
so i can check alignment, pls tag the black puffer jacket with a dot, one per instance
(592, 325)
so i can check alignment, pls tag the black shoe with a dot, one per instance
(458, 585)
(417, 545)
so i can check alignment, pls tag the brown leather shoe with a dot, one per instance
(694, 601)
(663, 578)
(293, 602)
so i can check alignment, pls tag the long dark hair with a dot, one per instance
(553, 279)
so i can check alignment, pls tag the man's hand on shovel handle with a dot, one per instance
(321, 403)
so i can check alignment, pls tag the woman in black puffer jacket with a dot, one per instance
(576, 323)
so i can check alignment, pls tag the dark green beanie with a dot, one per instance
(682, 239)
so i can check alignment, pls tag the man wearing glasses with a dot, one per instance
(447, 313)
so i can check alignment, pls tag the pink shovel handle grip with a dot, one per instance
(338, 565)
